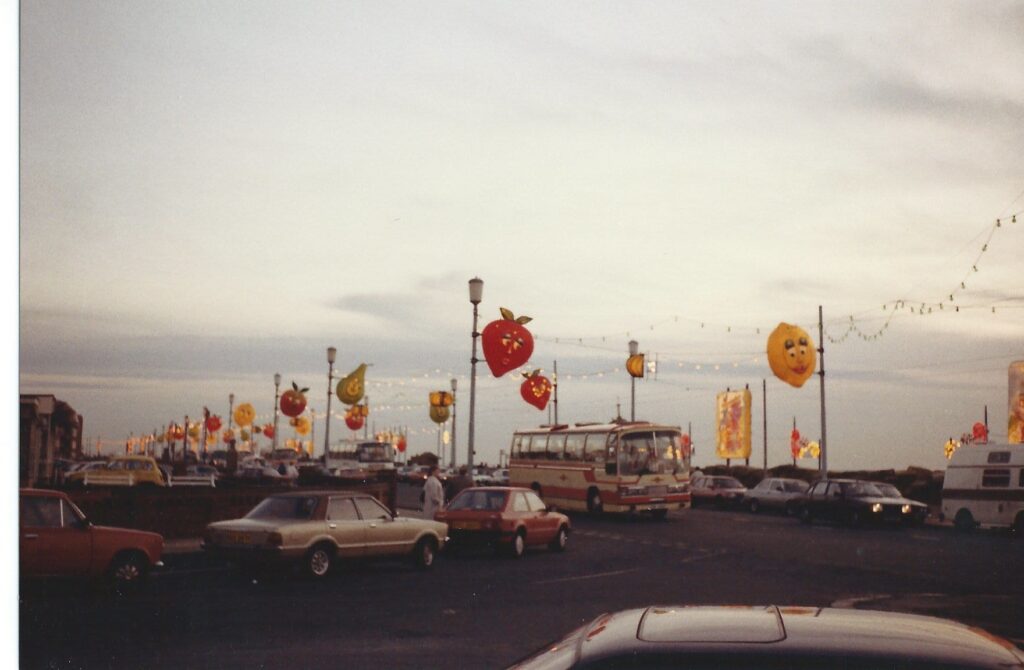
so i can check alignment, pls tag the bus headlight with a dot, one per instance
(877, 508)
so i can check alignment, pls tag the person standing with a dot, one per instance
(433, 494)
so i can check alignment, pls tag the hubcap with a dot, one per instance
(127, 572)
(319, 562)
(428, 554)
(519, 545)
(562, 538)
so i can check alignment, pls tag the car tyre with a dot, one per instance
(424, 553)
(318, 561)
(127, 572)
(755, 506)
(1018, 526)
(806, 516)
(964, 521)
(560, 540)
(790, 509)
(594, 504)
(518, 546)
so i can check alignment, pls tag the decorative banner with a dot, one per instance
(193, 431)
(1015, 429)
(176, 432)
(211, 439)
(245, 414)
(350, 388)
(293, 401)
(791, 354)
(795, 445)
(213, 423)
(301, 425)
(439, 414)
(268, 431)
(507, 343)
(733, 414)
(686, 445)
(401, 445)
(635, 365)
(244, 434)
(951, 446)
(227, 436)
(536, 390)
(810, 450)
(441, 399)
(291, 443)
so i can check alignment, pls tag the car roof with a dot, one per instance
(781, 632)
(42, 493)
(329, 492)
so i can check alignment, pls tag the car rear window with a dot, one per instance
(284, 507)
(479, 500)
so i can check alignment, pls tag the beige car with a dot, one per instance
(317, 528)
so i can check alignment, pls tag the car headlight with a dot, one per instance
(907, 509)
(876, 508)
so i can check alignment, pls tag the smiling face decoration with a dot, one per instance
(791, 354)
(506, 342)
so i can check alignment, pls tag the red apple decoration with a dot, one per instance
(354, 422)
(213, 423)
(293, 401)
(536, 390)
(268, 431)
(507, 343)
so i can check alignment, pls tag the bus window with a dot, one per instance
(574, 447)
(670, 452)
(538, 446)
(556, 445)
(595, 446)
(611, 463)
(517, 443)
(637, 455)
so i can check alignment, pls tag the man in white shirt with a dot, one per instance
(433, 494)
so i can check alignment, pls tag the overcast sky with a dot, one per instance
(215, 192)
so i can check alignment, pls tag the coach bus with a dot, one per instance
(617, 467)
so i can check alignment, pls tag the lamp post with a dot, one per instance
(277, 398)
(476, 293)
(634, 348)
(455, 383)
(231, 417)
(331, 353)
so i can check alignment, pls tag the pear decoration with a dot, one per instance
(350, 388)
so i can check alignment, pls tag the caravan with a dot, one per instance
(984, 486)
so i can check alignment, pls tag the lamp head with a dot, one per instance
(331, 353)
(277, 379)
(634, 347)
(476, 290)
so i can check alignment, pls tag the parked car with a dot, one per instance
(716, 489)
(776, 493)
(773, 637)
(201, 470)
(855, 502)
(507, 518)
(315, 529)
(500, 477)
(120, 471)
(57, 540)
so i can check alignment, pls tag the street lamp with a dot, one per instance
(231, 412)
(331, 352)
(455, 383)
(634, 348)
(277, 397)
(476, 294)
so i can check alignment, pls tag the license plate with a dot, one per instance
(466, 525)
(238, 538)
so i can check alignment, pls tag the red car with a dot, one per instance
(508, 518)
(57, 540)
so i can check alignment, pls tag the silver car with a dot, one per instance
(775, 493)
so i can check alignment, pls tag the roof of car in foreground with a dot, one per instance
(319, 492)
(793, 632)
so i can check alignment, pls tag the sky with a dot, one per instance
(211, 193)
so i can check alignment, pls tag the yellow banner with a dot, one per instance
(733, 414)
(1016, 413)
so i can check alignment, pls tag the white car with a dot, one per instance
(776, 493)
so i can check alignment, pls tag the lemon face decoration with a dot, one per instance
(350, 388)
(244, 414)
(635, 365)
(439, 414)
(791, 354)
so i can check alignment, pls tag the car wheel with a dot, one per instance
(790, 509)
(594, 504)
(518, 547)
(805, 515)
(560, 540)
(755, 506)
(318, 561)
(127, 572)
(424, 553)
(964, 521)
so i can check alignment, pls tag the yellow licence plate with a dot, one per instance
(466, 525)
(238, 538)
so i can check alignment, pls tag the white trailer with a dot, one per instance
(984, 486)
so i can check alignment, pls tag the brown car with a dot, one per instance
(57, 540)
(505, 517)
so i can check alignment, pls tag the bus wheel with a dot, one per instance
(594, 504)
(1018, 526)
(964, 521)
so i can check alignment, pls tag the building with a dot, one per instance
(49, 429)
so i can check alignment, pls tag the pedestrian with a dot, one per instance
(459, 482)
(433, 494)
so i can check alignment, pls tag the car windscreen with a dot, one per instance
(889, 490)
(862, 490)
(795, 487)
(479, 500)
(284, 507)
(726, 483)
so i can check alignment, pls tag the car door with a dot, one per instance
(53, 539)
(384, 535)
(835, 506)
(816, 499)
(346, 527)
(541, 524)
